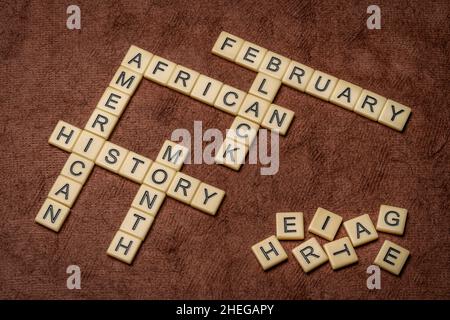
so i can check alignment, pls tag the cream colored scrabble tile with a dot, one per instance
(88, 145)
(111, 157)
(321, 85)
(274, 65)
(183, 187)
(394, 115)
(250, 56)
(290, 226)
(113, 101)
(265, 87)
(207, 198)
(101, 123)
(325, 224)
(124, 247)
(64, 136)
(340, 253)
(269, 252)
(227, 46)
(172, 155)
(159, 176)
(297, 76)
(206, 89)
(137, 223)
(229, 99)
(243, 131)
(183, 79)
(392, 219)
(345, 94)
(137, 59)
(159, 70)
(135, 167)
(125, 80)
(278, 119)
(65, 191)
(360, 230)
(52, 215)
(148, 200)
(231, 154)
(370, 105)
(310, 255)
(392, 257)
(254, 108)
(77, 168)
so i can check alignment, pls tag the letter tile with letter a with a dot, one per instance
(124, 247)
(65, 191)
(269, 252)
(137, 59)
(360, 230)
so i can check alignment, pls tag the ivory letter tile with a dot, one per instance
(392, 257)
(124, 247)
(52, 215)
(325, 224)
(392, 220)
(64, 136)
(227, 46)
(207, 198)
(269, 252)
(310, 255)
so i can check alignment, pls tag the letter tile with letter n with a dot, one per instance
(265, 87)
(392, 219)
(159, 70)
(370, 105)
(325, 224)
(391, 257)
(172, 155)
(77, 168)
(183, 187)
(274, 65)
(227, 46)
(137, 59)
(310, 255)
(321, 85)
(137, 223)
(269, 252)
(125, 80)
(65, 191)
(297, 76)
(135, 167)
(231, 154)
(124, 247)
(111, 157)
(360, 230)
(229, 99)
(207, 198)
(52, 215)
(290, 226)
(183, 79)
(64, 136)
(148, 200)
(394, 115)
(340, 253)
(101, 123)
(278, 119)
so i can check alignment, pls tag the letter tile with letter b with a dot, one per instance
(64, 136)
(77, 168)
(111, 157)
(52, 215)
(65, 191)
(101, 123)
(394, 115)
(159, 70)
(125, 80)
(269, 252)
(274, 65)
(392, 219)
(278, 119)
(310, 255)
(137, 59)
(325, 224)
(124, 247)
(137, 223)
(229, 99)
(227, 46)
(231, 154)
(183, 79)
(183, 187)
(392, 257)
(207, 198)
(370, 105)
(135, 167)
(360, 230)
(172, 155)
(265, 87)
(148, 200)
(321, 85)
(340, 253)
(290, 226)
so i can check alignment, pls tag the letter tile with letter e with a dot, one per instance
(392, 257)
(290, 226)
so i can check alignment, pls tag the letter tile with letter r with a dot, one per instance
(310, 255)
(183, 187)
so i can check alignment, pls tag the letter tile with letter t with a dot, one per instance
(340, 253)
(269, 252)
(391, 257)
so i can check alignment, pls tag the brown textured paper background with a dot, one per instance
(330, 157)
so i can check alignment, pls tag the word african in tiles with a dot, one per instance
(341, 252)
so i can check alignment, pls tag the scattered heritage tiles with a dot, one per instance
(341, 252)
